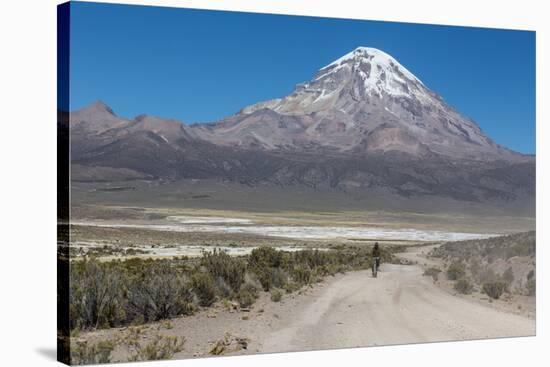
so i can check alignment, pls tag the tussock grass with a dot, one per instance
(489, 264)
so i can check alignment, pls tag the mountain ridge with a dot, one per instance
(363, 123)
(363, 91)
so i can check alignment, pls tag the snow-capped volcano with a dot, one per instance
(365, 72)
(363, 125)
(363, 102)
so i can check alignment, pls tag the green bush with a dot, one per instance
(302, 274)
(494, 289)
(161, 347)
(158, 292)
(266, 257)
(88, 353)
(246, 298)
(291, 286)
(220, 265)
(268, 265)
(456, 270)
(276, 295)
(204, 288)
(279, 277)
(531, 287)
(95, 295)
(464, 286)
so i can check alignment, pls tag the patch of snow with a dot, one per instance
(381, 63)
(390, 111)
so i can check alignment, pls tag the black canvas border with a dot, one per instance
(63, 180)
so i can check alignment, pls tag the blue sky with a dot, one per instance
(199, 66)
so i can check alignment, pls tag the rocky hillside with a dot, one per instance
(510, 260)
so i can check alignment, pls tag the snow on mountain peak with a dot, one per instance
(356, 77)
(379, 71)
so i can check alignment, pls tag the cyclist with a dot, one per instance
(375, 259)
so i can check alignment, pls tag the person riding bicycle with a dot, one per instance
(376, 257)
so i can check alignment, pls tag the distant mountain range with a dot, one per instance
(364, 122)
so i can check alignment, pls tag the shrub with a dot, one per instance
(279, 277)
(223, 289)
(487, 275)
(157, 293)
(95, 295)
(271, 277)
(204, 288)
(302, 274)
(508, 276)
(161, 347)
(531, 287)
(464, 286)
(267, 264)
(220, 265)
(266, 257)
(264, 277)
(314, 258)
(291, 286)
(432, 272)
(276, 295)
(456, 270)
(87, 353)
(246, 298)
(494, 289)
(248, 293)
(228, 344)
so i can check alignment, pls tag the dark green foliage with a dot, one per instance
(279, 277)
(88, 353)
(531, 287)
(302, 274)
(248, 293)
(494, 289)
(158, 292)
(276, 295)
(95, 295)
(456, 270)
(204, 287)
(246, 297)
(220, 265)
(266, 263)
(267, 257)
(276, 268)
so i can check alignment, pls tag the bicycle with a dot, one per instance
(375, 266)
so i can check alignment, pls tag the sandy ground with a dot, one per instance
(348, 310)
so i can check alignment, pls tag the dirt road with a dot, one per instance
(400, 306)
